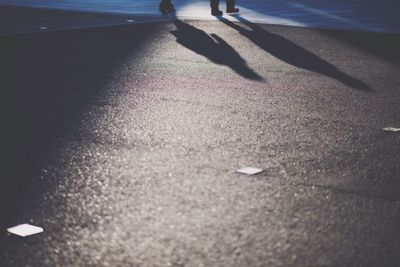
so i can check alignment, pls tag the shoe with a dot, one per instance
(216, 12)
(232, 10)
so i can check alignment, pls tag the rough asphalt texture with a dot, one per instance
(122, 143)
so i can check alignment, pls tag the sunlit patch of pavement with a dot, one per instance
(346, 15)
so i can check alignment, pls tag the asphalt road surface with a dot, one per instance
(123, 142)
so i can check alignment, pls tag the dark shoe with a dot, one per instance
(216, 12)
(232, 10)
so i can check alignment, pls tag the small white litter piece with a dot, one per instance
(43, 28)
(25, 230)
(129, 20)
(249, 170)
(391, 129)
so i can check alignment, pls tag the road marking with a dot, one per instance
(25, 230)
(391, 129)
(249, 170)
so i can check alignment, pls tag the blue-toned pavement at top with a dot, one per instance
(374, 16)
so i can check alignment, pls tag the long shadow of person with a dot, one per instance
(214, 48)
(292, 53)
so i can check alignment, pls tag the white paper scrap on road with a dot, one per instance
(391, 129)
(43, 28)
(129, 20)
(25, 230)
(250, 170)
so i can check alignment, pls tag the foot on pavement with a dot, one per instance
(216, 12)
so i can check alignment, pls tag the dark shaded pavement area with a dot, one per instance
(22, 20)
(122, 143)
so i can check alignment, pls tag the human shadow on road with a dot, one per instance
(292, 53)
(214, 48)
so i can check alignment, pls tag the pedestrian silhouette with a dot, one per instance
(292, 53)
(166, 6)
(230, 7)
(213, 48)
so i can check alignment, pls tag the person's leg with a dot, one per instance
(230, 6)
(166, 6)
(215, 8)
(214, 4)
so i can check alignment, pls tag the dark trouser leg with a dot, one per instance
(214, 4)
(166, 6)
(230, 4)
(214, 8)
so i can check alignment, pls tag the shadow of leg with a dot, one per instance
(213, 48)
(292, 53)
